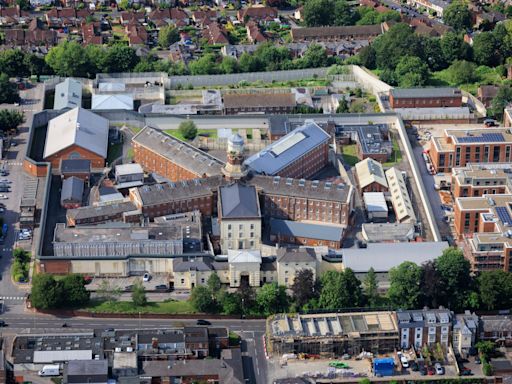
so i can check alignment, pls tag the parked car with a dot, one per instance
(128, 288)
(439, 369)
(5, 181)
(4, 173)
(414, 366)
(3, 323)
(423, 371)
(203, 322)
(431, 371)
(403, 359)
(477, 360)
(161, 287)
(146, 277)
(465, 372)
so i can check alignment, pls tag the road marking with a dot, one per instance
(14, 163)
(7, 249)
(12, 298)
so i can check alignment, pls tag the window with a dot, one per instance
(252, 226)
(202, 281)
(240, 227)
(182, 281)
(229, 227)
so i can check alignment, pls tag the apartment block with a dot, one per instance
(424, 327)
(484, 226)
(476, 180)
(457, 148)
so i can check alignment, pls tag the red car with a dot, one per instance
(431, 371)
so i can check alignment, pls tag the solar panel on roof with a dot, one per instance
(483, 138)
(504, 216)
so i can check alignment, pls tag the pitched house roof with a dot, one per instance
(77, 127)
(257, 13)
(116, 102)
(72, 189)
(239, 201)
(307, 230)
(370, 171)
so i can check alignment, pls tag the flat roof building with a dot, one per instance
(475, 180)
(300, 153)
(376, 206)
(258, 102)
(333, 333)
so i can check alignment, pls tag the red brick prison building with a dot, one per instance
(425, 97)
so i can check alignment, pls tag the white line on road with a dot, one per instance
(12, 298)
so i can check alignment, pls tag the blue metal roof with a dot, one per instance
(287, 149)
(312, 231)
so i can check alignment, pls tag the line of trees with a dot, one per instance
(50, 293)
(447, 282)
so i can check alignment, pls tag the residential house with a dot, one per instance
(203, 18)
(169, 16)
(496, 328)
(257, 14)
(215, 33)
(137, 35)
(91, 33)
(254, 34)
(132, 17)
(424, 327)
(10, 16)
(66, 17)
(35, 36)
(465, 332)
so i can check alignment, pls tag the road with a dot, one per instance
(251, 332)
(11, 293)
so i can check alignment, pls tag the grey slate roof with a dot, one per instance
(68, 94)
(199, 265)
(295, 255)
(105, 210)
(425, 92)
(384, 256)
(179, 152)
(87, 367)
(312, 231)
(75, 166)
(72, 189)
(288, 149)
(239, 201)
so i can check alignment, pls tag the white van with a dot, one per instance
(50, 370)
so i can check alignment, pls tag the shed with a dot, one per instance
(68, 94)
(72, 192)
(376, 206)
(112, 102)
(384, 367)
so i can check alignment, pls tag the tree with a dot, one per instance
(229, 65)
(318, 13)
(76, 295)
(12, 62)
(486, 348)
(485, 49)
(188, 129)
(404, 290)
(214, 285)
(454, 270)
(21, 255)
(46, 292)
(230, 303)
(431, 285)
(118, 58)
(247, 297)
(303, 288)
(454, 47)
(343, 106)
(8, 91)
(495, 289)
(367, 57)
(500, 101)
(340, 290)
(206, 65)
(107, 291)
(70, 59)
(411, 71)
(371, 288)
(139, 295)
(167, 35)
(11, 119)
(36, 65)
(343, 14)
(433, 54)
(24, 5)
(457, 15)
(462, 72)
(250, 63)
(399, 41)
(271, 298)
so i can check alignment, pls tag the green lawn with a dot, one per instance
(350, 154)
(211, 133)
(114, 151)
(165, 307)
(396, 155)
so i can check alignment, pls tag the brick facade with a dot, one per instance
(311, 242)
(308, 164)
(425, 102)
(74, 152)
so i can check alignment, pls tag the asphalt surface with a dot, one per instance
(13, 294)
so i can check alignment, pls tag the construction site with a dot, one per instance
(333, 334)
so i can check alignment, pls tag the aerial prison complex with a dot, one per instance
(182, 212)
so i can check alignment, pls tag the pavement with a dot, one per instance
(173, 122)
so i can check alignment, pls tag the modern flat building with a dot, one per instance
(425, 97)
(172, 158)
(333, 334)
(475, 180)
(370, 176)
(299, 154)
(424, 327)
(484, 225)
(457, 148)
(77, 134)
